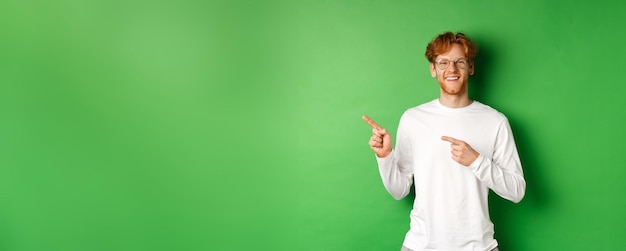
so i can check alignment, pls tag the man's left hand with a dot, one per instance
(461, 151)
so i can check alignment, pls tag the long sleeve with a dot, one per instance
(396, 170)
(503, 172)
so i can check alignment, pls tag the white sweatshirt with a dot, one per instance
(450, 211)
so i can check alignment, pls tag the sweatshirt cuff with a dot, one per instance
(384, 161)
(476, 164)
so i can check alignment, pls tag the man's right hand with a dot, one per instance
(380, 142)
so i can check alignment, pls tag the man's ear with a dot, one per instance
(433, 71)
(471, 68)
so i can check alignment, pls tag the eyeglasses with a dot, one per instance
(443, 63)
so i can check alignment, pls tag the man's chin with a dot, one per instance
(452, 91)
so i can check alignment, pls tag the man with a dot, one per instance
(454, 150)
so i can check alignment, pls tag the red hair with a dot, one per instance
(443, 43)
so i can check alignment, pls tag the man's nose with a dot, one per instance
(453, 66)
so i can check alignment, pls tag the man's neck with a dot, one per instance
(454, 101)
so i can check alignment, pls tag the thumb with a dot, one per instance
(380, 132)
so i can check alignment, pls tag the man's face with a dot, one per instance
(452, 70)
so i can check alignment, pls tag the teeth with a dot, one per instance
(452, 78)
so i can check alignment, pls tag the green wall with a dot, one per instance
(234, 125)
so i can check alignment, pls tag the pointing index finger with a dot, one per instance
(371, 122)
(450, 139)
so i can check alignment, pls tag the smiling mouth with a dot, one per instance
(452, 78)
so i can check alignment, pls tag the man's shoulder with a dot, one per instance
(424, 107)
(419, 112)
(487, 110)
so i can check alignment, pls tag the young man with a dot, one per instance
(454, 150)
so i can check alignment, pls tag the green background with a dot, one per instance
(235, 125)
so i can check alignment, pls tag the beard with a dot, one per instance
(453, 89)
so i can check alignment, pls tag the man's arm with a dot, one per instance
(503, 173)
(394, 166)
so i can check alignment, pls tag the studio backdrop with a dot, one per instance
(236, 125)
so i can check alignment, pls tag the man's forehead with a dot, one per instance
(451, 57)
